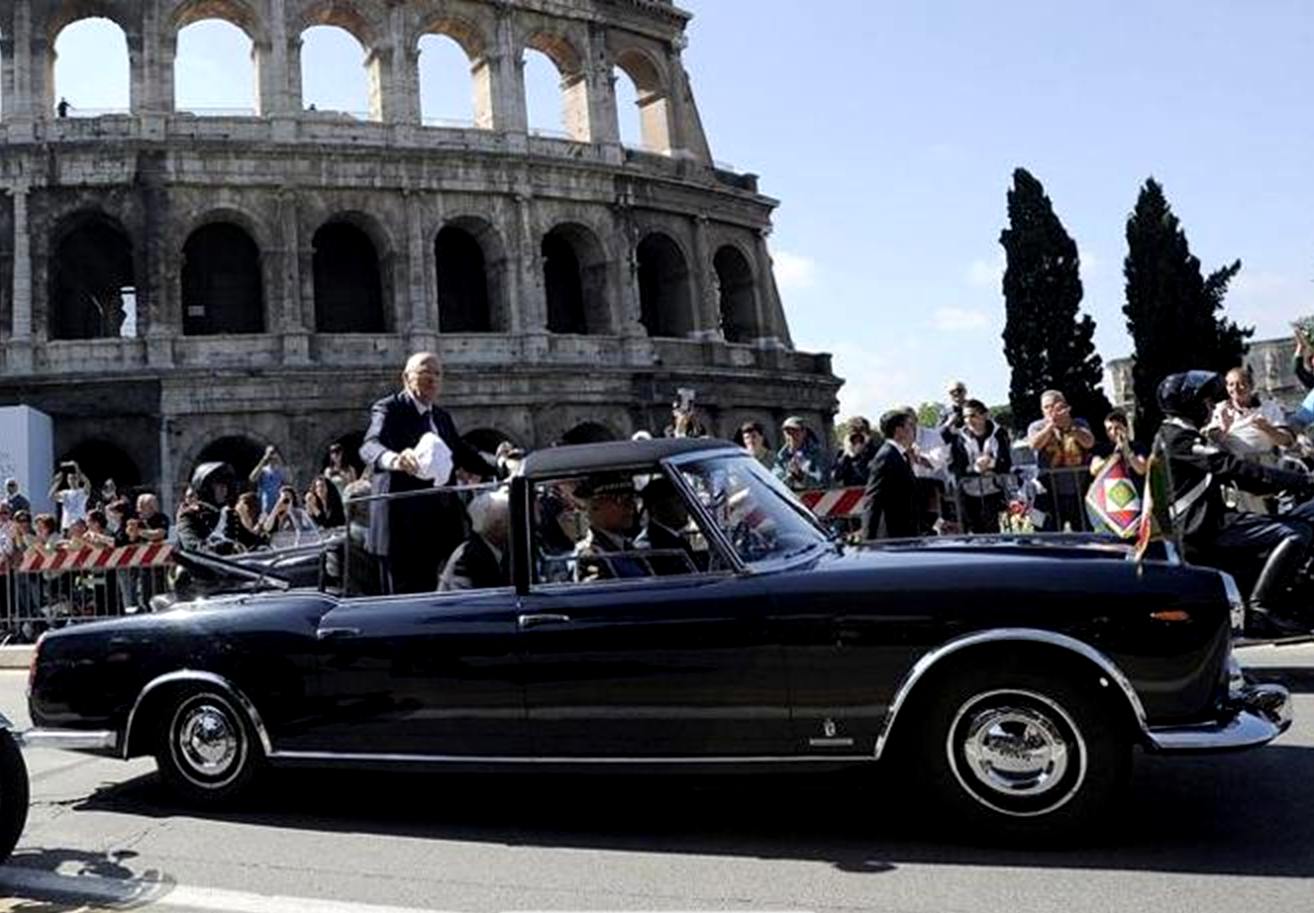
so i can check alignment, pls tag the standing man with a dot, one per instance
(268, 479)
(415, 536)
(892, 488)
(14, 497)
(1062, 445)
(952, 419)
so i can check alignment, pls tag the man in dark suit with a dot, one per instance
(414, 536)
(891, 487)
(481, 562)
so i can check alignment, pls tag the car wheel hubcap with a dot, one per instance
(1016, 752)
(208, 743)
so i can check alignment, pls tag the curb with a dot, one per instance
(16, 657)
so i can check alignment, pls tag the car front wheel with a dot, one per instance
(1023, 753)
(205, 750)
(13, 794)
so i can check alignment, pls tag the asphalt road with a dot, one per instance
(1196, 835)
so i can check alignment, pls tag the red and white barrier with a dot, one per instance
(833, 504)
(155, 554)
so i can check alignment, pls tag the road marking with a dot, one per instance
(35, 884)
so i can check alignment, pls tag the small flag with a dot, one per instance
(1156, 521)
(1112, 501)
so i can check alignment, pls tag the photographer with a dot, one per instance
(853, 462)
(71, 490)
(799, 463)
(684, 419)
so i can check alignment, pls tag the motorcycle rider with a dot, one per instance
(1198, 471)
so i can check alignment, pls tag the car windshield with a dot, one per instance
(759, 516)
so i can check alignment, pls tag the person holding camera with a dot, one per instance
(268, 478)
(71, 490)
(853, 462)
(800, 463)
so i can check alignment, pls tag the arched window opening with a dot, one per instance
(214, 71)
(642, 104)
(222, 288)
(575, 281)
(449, 94)
(556, 90)
(241, 453)
(665, 301)
(738, 295)
(486, 440)
(348, 287)
(463, 298)
(103, 460)
(588, 433)
(92, 75)
(333, 74)
(93, 289)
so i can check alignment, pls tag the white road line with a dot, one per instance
(17, 881)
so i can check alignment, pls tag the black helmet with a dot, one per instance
(1191, 395)
(208, 476)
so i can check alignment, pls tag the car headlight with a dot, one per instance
(1235, 601)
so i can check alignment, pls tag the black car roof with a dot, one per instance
(577, 458)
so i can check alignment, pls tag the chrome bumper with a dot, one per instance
(69, 739)
(1262, 713)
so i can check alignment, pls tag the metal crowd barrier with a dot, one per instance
(986, 503)
(46, 589)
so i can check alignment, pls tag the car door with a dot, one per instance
(676, 666)
(432, 674)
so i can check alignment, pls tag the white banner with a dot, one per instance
(26, 453)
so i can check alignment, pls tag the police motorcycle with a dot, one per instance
(1271, 556)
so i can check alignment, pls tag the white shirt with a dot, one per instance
(74, 501)
(1243, 436)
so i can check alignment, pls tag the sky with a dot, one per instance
(889, 132)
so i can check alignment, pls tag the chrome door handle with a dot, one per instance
(534, 621)
(337, 633)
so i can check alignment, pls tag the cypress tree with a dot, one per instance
(1049, 344)
(1172, 309)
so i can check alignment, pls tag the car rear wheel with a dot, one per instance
(13, 794)
(1022, 753)
(205, 748)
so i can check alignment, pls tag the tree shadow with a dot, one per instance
(1236, 814)
(65, 880)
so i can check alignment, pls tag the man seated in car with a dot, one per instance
(665, 517)
(481, 561)
(611, 510)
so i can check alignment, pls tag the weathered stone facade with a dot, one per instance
(175, 287)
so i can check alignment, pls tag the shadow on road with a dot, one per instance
(1242, 814)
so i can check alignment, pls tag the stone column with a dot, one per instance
(507, 77)
(140, 82)
(402, 101)
(529, 265)
(416, 310)
(294, 266)
(273, 67)
(770, 312)
(626, 280)
(707, 319)
(604, 125)
(18, 351)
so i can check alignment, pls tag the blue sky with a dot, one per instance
(889, 131)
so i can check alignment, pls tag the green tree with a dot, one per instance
(1173, 311)
(1049, 344)
(928, 414)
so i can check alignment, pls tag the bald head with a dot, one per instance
(423, 376)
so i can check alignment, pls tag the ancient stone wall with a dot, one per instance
(196, 279)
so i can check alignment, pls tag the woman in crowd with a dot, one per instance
(752, 437)
(853, 462)
(324, 504)
(339, 471)
(249, 531)
(979, 458)
(800, 463)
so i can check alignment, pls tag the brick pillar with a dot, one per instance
(707, 303)
(18, 350)
(507, 77)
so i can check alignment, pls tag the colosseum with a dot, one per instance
(176, 288)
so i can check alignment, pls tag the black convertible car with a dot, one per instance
(1012, 677)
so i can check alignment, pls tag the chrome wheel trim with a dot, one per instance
(1017, 752)
(207, 742)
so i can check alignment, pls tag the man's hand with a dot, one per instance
(407, 462)
(984, 463)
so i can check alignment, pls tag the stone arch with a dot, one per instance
(348, 278)
(239, 449)
(737, 294)
(223, 288)
(486, 440)
(123, 13)
(468, 35)
(101, 459)
(665, 293)
(589, 432)
(91, 270)
(575, 266)
(472, 266)
(235, 62)
(561, 51)
(235, 12)
(117, 59)
(364, 24)
(342, 14)
(652, 97)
